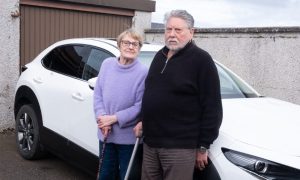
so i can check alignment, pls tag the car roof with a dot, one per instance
(146, 46)
(110, 41)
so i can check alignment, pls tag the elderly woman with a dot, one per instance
(117, 103)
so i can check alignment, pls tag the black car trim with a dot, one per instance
(70, 152)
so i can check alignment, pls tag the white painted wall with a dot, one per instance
(9, 60)
(267, 58)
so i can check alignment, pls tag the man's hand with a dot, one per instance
(201, 160)
(138, 129)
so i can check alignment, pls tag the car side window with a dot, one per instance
(66, 59)
(93, 63)
(229, 89)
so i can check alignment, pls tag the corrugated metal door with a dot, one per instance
(42, 26)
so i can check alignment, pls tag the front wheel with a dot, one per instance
(27, 133)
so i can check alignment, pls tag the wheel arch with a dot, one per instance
(25, 95)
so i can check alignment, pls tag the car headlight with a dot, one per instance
(260, 167)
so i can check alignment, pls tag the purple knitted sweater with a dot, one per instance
(118, 91)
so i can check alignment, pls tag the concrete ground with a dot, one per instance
(14, 167)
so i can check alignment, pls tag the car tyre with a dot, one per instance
(27, 133)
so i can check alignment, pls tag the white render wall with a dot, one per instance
(141, 21)
(267, 58)
(9, 60)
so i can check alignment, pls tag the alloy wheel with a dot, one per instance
(25, 132)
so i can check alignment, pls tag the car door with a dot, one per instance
(82, 128)
(61, 80)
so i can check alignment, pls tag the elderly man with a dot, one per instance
(181, 106)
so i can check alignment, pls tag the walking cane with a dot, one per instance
(101, 157)
(132, 158)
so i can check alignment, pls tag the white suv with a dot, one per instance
(54, 113)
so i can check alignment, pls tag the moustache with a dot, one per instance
(172, 41)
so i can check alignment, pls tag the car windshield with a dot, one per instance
(231, 86)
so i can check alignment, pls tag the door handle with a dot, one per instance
(38, 80)
(77, 96)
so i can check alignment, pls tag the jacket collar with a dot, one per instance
(165, 49)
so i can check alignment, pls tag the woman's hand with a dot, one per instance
(105, 131)
(106, 120)
(138, 129)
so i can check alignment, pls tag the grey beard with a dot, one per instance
(177, 48)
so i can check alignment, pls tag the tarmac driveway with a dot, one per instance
(14, 167)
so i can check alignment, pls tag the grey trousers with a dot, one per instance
(168, 164)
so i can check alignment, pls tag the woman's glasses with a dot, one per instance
(128, 43)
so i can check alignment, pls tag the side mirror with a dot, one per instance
(92, 82)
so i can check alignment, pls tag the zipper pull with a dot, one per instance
(162, 71)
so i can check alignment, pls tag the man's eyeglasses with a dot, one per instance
(128, 43)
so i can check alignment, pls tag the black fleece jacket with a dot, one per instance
(182, 106)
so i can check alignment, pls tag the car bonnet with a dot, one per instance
(263, 122)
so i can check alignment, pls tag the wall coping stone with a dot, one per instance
(246, 30)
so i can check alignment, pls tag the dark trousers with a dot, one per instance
(168, 164)
(115, 160)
